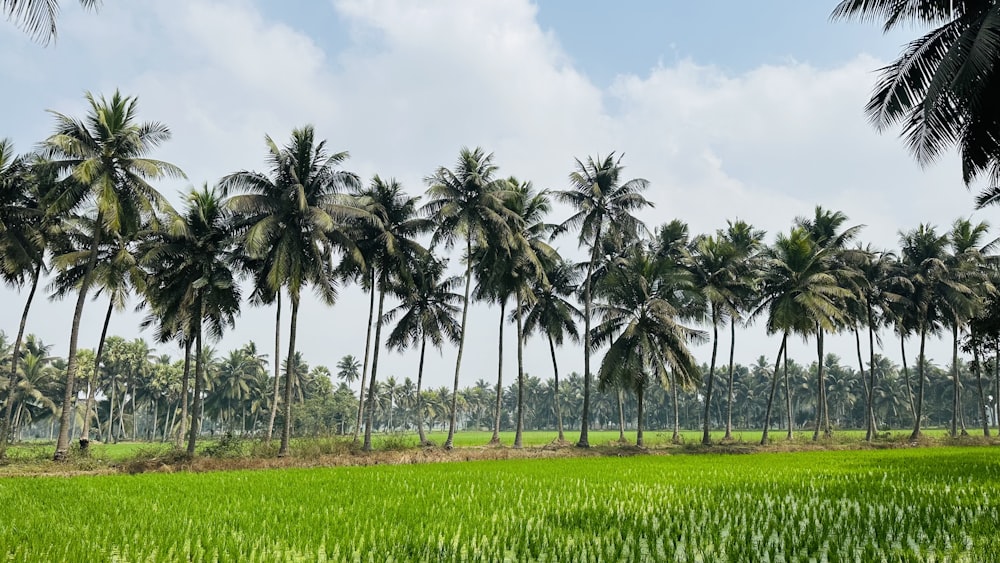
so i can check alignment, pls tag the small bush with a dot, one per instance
(229, 446)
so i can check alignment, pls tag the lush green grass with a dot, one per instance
(40, 451)
(905, 504)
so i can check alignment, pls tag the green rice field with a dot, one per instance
(921, 504)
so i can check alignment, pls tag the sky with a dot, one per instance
(730, 109)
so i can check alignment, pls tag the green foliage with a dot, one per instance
(898, 505)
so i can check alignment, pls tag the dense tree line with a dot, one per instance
(84, 210)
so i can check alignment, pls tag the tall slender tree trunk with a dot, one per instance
(584, 441)
(996, 383)
(729, 396)
(871, 372)
(920, 387)
(368, 341)
(676, 438)
(519, 432)
(864, 385)
(372, 379)
(955, 399)
(85, 432)
(15, 356)
(557, 399)
(774, 387)
(182, 427)
(199, 382)
(639, 395)
(983, 405)
(906, 377)
(62, 444)
(290, 368)
(277, 368)
(706, 437)
(820, 383)
(453, 418)
(789, 411)
(420, 399)
(621, 416)
(495, 439)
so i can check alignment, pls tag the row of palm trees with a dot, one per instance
(84, 208)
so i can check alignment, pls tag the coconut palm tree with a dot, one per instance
(967, 267)
(103, 160)
(467, 201)
(393, 226)
(22, 248)
(292, 222)
(38, 17)
(602, 203)
(641, 304)
(554, 316)
(942, 87)
(799, 295)
(191, 286)
(924, 261)
(747, 242)
(825, 228)
(427, 312)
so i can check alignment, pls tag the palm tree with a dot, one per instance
(103, 158)
(393, 226)
(965, 297)
(800, 295)
(924, 257)
(713, 263)
(642, 300)
(191, 283)
(38, 17)
(467, 201)
(602, 203)
(22, 249)
(553, 315)
(348, 369)
(943, 85)
(428, 310)
(293, 220)
(747, 242)
(825, 229)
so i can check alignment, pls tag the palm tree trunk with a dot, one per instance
(676, 438)
(584, 441)
(729, 396)
(996, 382)
(449, 443)
(518, 434)
(906, 377)
(286, 431)
(5, 424)
(920, 387)
(374, 374)
(420, 399)
(820, 383)
(556, 399)
(956, 400)
(871, 371)
(639, 394)
(495, 439)
(790, 434)
(199, 372)
(62, 444)
(277, 369)
(864, 385)
(984, 406)
(774, 387)
(182, 427)
(85, 433)
(706, 437)
(621, 416)
(364, 368)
